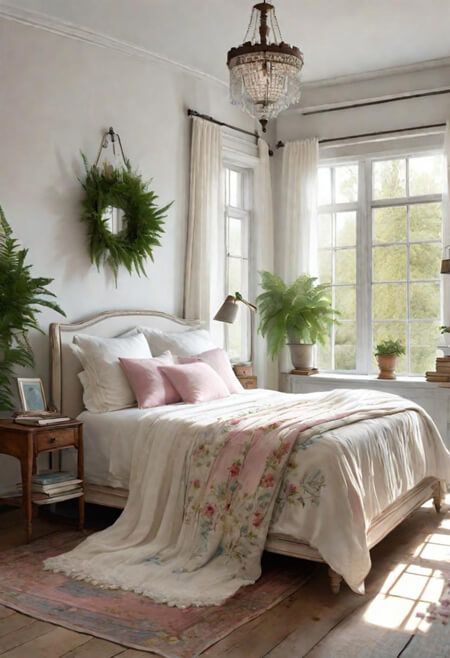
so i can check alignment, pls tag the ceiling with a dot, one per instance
(338, 37)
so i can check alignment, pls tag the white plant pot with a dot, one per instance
(302, 355)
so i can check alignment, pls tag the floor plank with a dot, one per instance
(13, 623)
(33, 630)
(54, 644)
(97, 648)
(5, 612)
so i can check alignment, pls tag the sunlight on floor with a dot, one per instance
(410, 588)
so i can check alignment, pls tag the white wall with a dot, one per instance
(57, 96)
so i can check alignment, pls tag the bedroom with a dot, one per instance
(354, 192)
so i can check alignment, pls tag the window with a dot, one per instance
(237, 221)
(380, 243)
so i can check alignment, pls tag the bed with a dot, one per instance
(107, 456)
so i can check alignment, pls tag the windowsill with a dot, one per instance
(328, 377)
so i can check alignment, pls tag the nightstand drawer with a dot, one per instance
(248, 382)
(57, 438)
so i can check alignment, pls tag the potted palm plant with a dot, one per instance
(387, 352)
(21, 295)
(300, 313)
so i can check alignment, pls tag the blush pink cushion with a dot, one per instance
(196, 382)
(219, 361)
(150, 386)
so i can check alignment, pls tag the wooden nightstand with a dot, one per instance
(25, 442)
(244, 372)
(248, 382)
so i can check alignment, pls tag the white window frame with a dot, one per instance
(244, 214)
(365, 204)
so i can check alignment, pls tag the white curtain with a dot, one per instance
(204, 267)
(446, 222)
(299, 209)
(263, 233)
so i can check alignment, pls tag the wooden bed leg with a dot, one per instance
(335, 581)
(437, 496)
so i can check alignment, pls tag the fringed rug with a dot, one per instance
(130, 619)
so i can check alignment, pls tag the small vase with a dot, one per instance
(386, 364)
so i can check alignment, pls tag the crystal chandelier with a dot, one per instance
(264, 74)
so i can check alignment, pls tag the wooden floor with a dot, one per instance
(310, 623)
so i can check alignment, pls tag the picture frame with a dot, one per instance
(32, 394)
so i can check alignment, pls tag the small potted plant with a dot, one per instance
(300, 314)
(445, 331)
(387, 352)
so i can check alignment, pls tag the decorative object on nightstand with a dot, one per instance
(26, 442)
(227, 313)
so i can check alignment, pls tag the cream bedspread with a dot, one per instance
(349, 447)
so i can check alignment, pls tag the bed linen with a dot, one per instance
(203, 491)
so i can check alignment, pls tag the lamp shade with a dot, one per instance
(228, 311)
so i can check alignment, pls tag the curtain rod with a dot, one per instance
(194, 113)
(373, 134)
(380, 101)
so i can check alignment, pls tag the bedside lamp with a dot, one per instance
(227, 313)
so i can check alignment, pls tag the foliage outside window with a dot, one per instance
(237, 226)
(382, 259)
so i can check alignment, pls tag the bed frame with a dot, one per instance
(66, 396)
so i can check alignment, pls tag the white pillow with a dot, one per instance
(106, 386)
(180, 343)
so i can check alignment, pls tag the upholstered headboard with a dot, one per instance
(65, 387)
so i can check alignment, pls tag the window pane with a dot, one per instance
(389, 263)
(345, 266)
(325, 265)
(234, 236)
(345, 302)
(389, 224)
(234, 338)
(325, 230)
(345, 229)
(389, 301)
(425, 221)
(422, 359)
(345, 346)
(425, 261)
(235, 189)
(389, 179)
(234, 275)
(424, 333)
(426, 175)
(324, 186)
(324, 360)
(346, 183)
(425, 300)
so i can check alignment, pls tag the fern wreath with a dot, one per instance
(143, 220)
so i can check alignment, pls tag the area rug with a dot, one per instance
(130, 619)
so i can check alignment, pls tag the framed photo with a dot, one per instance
(32, 395)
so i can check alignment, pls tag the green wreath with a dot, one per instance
(143, 220)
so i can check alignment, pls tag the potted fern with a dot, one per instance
(300, 313)
(387, 352)
(20, 296)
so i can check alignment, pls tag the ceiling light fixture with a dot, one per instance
(264, 74)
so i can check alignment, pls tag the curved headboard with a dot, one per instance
(65, 387)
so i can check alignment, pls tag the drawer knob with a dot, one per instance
(52, 439)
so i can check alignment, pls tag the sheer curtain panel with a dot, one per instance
(299, 176)
(204, 267)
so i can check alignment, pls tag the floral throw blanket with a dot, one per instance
(203, 492)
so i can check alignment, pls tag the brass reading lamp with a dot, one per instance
(228, 311)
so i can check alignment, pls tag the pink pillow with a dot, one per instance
(219, 361)
(196, 382)
(150, 386)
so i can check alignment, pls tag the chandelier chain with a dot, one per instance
(277, 26)
(249, 28)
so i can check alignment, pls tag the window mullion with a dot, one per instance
(364, 269)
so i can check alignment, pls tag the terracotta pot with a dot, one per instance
(386, 364)
(302, 355)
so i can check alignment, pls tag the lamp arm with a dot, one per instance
(239, 298)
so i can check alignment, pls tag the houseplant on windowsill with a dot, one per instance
(387, 352)
(300, 313)
(445, 331)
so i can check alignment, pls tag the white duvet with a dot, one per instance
(339, 476)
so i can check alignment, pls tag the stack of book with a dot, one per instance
(39, 418)
(442, 373)
(54, 487)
